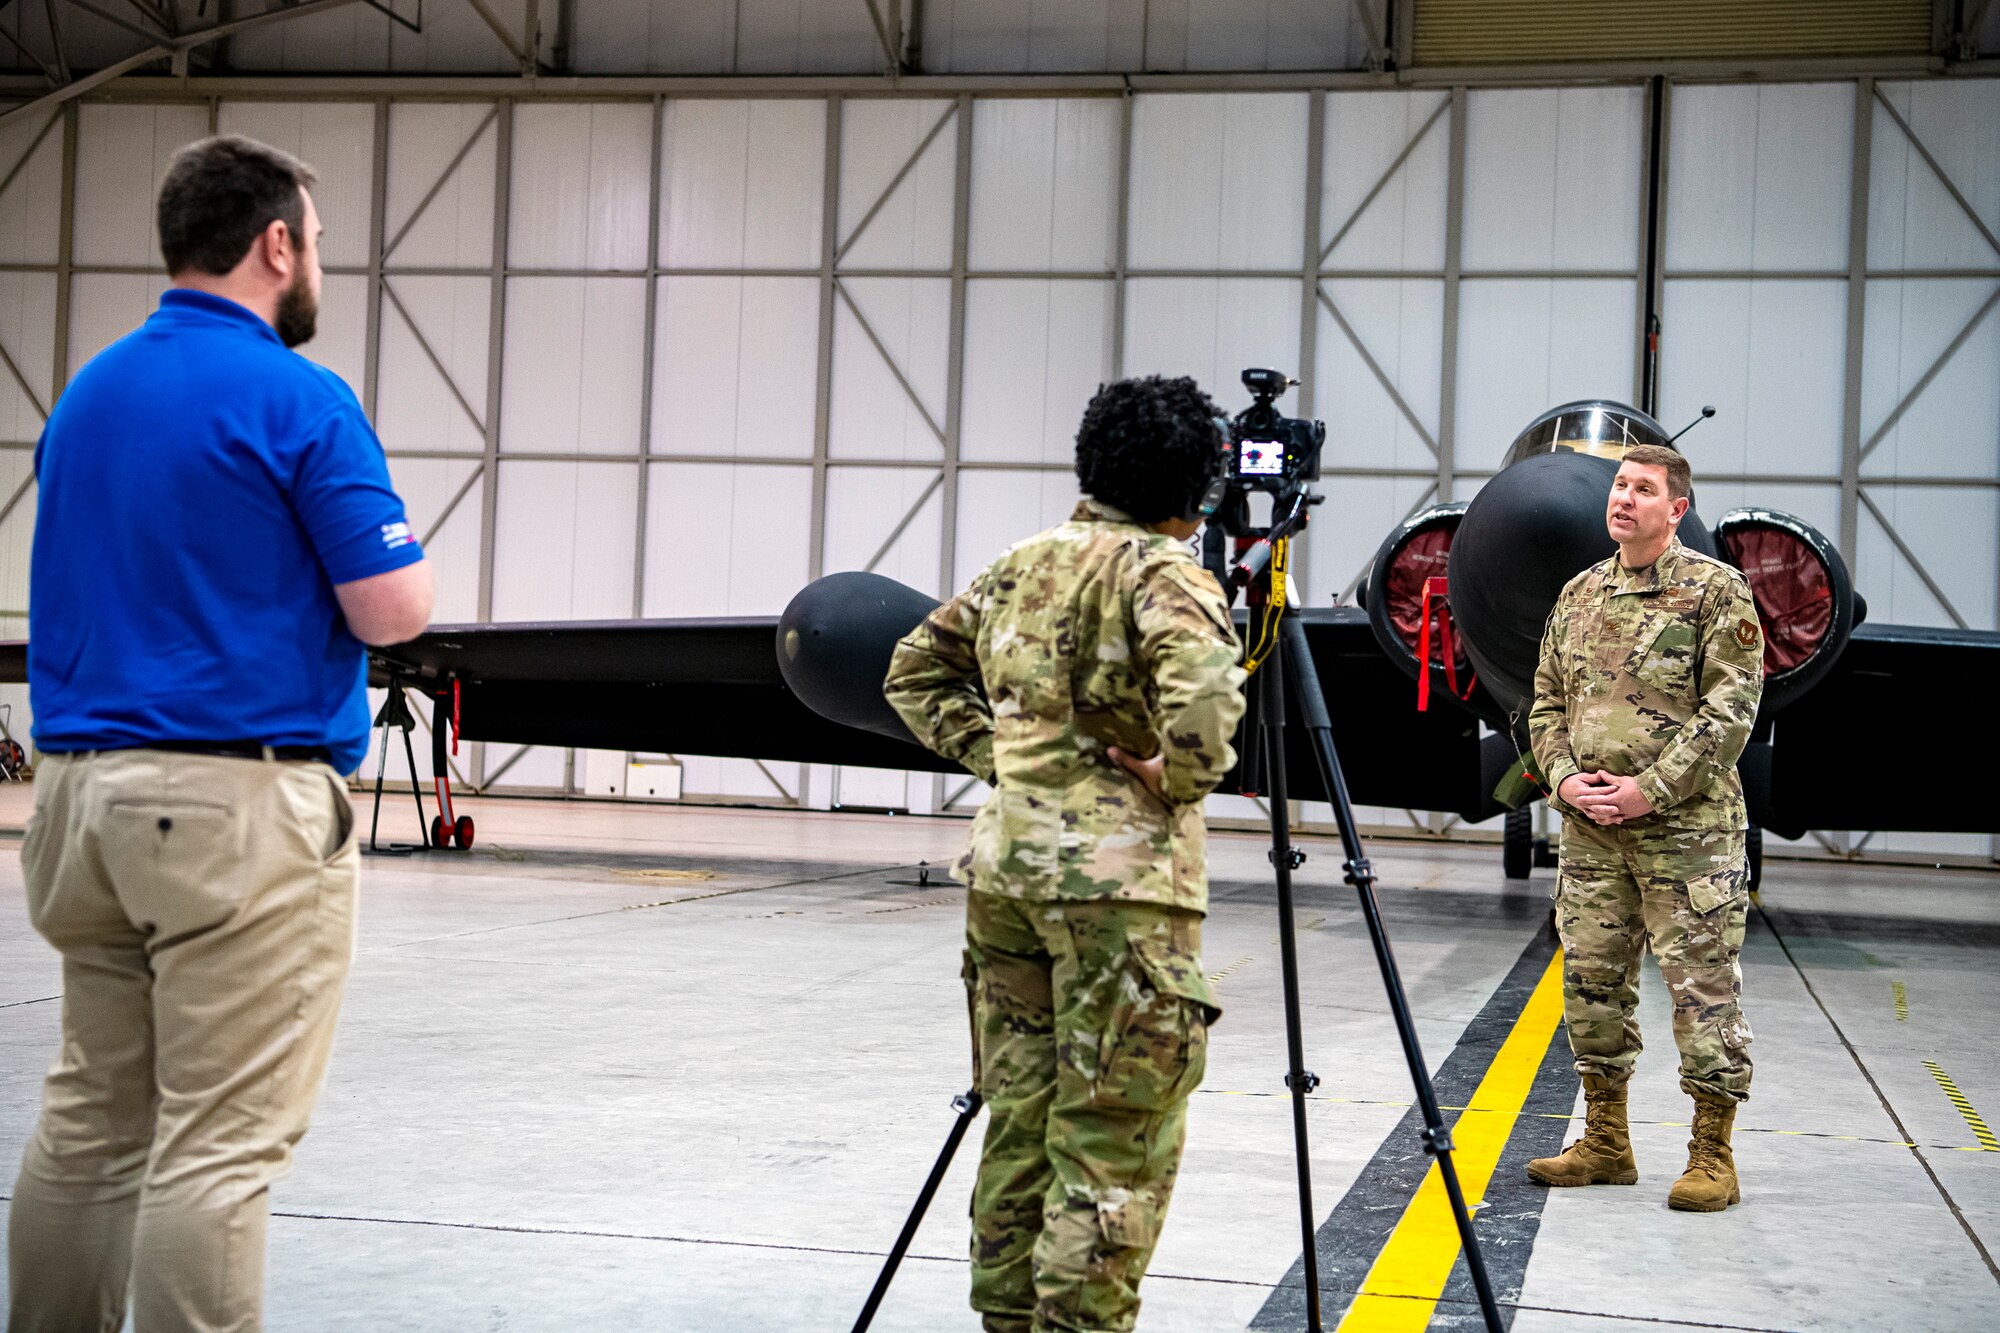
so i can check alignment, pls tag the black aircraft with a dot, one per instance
(1849, 718)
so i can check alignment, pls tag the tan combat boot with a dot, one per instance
(1709, 1183)
(1603, 1156)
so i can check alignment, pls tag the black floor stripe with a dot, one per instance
(1512, 1216)
(1354, 1233)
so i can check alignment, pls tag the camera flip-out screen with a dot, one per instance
(1260, 458)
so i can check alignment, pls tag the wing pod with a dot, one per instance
(1805, 597)
(834, 645)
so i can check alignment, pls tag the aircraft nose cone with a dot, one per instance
(1526, 534)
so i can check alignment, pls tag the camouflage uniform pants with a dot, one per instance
(1685, 893)
(1089, 1030)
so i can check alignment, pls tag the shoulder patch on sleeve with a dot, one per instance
(1746, 632)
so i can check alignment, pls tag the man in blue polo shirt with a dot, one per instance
(217, 538)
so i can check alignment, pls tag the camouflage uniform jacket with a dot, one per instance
(1655, 674)
(1095, 633)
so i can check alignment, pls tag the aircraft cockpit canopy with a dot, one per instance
(1591, 426)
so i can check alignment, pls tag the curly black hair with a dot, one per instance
(1148, 446)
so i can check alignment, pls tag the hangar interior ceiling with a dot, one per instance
(869, 37)
(674, 353)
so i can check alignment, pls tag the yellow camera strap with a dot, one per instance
(1266, 637)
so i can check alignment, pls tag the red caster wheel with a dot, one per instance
(440, 835)
(463, 829)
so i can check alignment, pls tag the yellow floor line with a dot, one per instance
(1902, 1002)
(1401, 1291)
(1987, 1143)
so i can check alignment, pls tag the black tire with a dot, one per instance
(1517, 847)
(1753, 849)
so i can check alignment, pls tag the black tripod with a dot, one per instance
(1292, 652)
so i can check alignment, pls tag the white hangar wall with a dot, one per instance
(671, 357)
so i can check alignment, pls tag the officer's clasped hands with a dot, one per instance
(1605, 798)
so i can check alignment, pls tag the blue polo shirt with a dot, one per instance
(203, 487)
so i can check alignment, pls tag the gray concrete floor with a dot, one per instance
(684, 1069)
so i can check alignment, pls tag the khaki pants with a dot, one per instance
(204, 910)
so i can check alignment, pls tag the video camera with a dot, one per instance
(1261, 451)
(1267, 451)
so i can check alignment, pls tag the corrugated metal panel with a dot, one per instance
(1496, 32)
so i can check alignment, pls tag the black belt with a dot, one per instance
(244, 750)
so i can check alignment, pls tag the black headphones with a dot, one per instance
(1209, 496)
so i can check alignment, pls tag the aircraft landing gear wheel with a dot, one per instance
(463, 830)
(440, 835)
(1753, 849)
(1517, 848)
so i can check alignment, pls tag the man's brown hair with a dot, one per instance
(218, 197)
(1680, 478)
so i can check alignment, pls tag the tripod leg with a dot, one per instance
(1271, 706)
(416, 790)
(381, 767)
(1361, 874)
(967, 1105)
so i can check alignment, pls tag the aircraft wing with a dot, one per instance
(713, 687)
(1862, 748)
(1845, 755)
(701, 687)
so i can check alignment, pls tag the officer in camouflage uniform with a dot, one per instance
(1651, 670)
(1111, 693)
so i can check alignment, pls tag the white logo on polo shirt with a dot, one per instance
(396, 534)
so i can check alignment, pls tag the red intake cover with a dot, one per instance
(1422, 557)
(1794, 598)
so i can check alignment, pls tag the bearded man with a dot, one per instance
(217, 538)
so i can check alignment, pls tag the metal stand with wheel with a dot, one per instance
(445, 829)
(396, 713)
(13, 759)
(442, 829)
